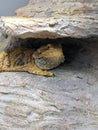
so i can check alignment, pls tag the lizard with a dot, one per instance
(36, 61)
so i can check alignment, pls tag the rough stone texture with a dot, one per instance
(75, 18)
(59, 8)
(49, 27)
(53, 19)
(68, 101)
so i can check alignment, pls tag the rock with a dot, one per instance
(68, 101)
(71, 18)
(53, 19)
(59, 8)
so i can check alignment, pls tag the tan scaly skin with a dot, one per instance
(31, 60)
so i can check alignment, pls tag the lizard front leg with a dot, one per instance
(35, 70)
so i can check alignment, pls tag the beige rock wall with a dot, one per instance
(59, 8)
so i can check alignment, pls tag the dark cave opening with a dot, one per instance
(71, 46)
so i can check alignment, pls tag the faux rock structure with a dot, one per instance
(53, 19)
(66, 102)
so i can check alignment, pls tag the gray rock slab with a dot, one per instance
(68, 101)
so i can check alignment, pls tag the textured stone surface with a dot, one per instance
(68, 101)
(74, 18)
(59, 8)
(49, 27)
(53, 19)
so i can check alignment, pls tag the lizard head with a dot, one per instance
(49, 56)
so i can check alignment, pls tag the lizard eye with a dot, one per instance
(49, 45)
